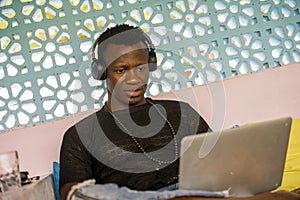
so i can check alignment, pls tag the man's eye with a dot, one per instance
(120, 71)
(141, 67)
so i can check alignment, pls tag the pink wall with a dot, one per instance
(260, 96)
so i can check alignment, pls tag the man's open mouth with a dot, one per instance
(135, 93)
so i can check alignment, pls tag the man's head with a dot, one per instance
(120, 34)
(123, 55)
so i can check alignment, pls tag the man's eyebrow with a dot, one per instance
(119, 64)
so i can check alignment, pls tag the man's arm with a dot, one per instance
(64, 190)
(75, 163)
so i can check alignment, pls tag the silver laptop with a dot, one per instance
(244, 161)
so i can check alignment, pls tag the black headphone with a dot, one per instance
(99, 69)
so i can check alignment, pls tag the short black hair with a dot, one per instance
(119, 34)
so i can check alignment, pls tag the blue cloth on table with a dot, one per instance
(113, 192)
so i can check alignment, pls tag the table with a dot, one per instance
(278, 195)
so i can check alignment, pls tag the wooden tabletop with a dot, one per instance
(279, 195)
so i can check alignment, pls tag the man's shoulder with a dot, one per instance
(82, 124)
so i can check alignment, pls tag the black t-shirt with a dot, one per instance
(99, 148)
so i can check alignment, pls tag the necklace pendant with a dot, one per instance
(157, 167)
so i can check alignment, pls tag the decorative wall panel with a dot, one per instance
(45, 48)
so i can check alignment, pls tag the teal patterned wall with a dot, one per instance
(45, 48)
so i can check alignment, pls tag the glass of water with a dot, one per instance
(9, 171)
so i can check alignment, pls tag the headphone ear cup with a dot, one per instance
(98, 70)
(152, 61)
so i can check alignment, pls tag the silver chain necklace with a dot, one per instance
(159, 162)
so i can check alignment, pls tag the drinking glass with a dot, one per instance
(9, 171)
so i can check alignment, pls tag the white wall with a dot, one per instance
(260, 96)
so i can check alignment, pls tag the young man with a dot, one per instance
(132, 141)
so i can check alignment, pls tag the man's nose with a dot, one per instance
(132, 77)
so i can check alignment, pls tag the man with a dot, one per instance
(132, 141)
